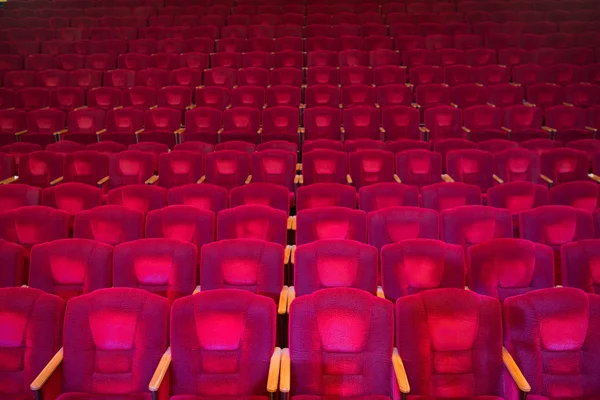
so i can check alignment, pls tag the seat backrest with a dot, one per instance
(325, 195)
(139, 197)
(368, 167)
(222, 341)
(387, 194)
(556, 225)
(318, 321)
(578, 194)
(130, 167)
(564, 165)
(110, 224)
(331, 263)
(502, 268)
(113, 340)
(167, 267)
(32, 324)
(267, 194)
(434, 343)
(275, 166)
(227, 168)
(469, 225)
(70, 267)
(203, 197)
(579, 265)
(182, 222)
(39, 168)
(394, 224)
(330, 223)
(253, 221)
(72, 197)
(31, 225)
(419, 167)
(18, 195)
(324, 166)
(471, 166)
(441, 196)
(180, 167)
(414, 265)
(543, 326)
(247, 264)
(518, 196)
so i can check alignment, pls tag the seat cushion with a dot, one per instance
(368, 397)
(12, 396)
(461, 398)
(539, 397)
(91, 396)
(190, 397)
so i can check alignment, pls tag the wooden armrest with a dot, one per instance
(80, 108)
(400, 372)
(287, 254)
(161, 371)
(447, 178)
(190, 107)
(382, 129)
(139, 131)
(397, 178)
(548, 129)
(103, 181)
(301, 180)
(154, 106)
(568, 104)
(293, 253)
(490, 104)
(298, 166)
(349, 179)
(221, 130)
(301, 130)
(528, 104)
(47, 372)
(285, 371)
(506, 129)
(197, 290)
(302, 106)
(467, 130)
(290, 222)
(546, 179)
(21, 133)
(380, 293)
(61, 132)
(454, 105)
(8, 181)
(515, 84)
(179, 131)
(57, 180)
(589, 128)
(593, 177)
(152, 180)
(415, 105)
(422, 129)
(202, 179)
(497, 178)
(514, 371)
(101, 131)
(297, 180)
(248, 179)
(274, 367)
(282, 305)
(290, 297)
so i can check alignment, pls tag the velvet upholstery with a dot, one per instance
(13, 264)
(553, 336)
(112, 342)
(33, 224)
(471, 166)
(414, 265)
(70, 267)
(39, 168)
(221, 344)
(506, 267)
(517, 164)
(387, 194)
(204, 197)
(138, 197)
(450, 341)
(262, 193)
(180, 167)
(583, 195)
(579, 265)
(331, 263)
(275, 166)
(368, 167)
(109, 224)
(18, 195)
(72, 197)
(184, 223)
(330, 223)
(167, 267)
(246, 264)
(469, 225)
(419, 167)
(341, 345)
(32, 323)
(394, 224)
(517, 197)
(129, 167)
(324, 166)
(227, 168)
(564, 165)
(444, 195)
(325, 195)
(253, 221)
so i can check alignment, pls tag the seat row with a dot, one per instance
(202, 325)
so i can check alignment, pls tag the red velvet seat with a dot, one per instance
(471, 166)
(470, 225)
(387, 194)
(138, 197)
(227, 168)
(331, 263)
(325, 195)
(19, 195)
(578, 264)
(180, 167)
(419, 167)
(583, 195)
(167, 267)
(109, 224)
(445, 195)
(561, 323)
(143, 336)
(394, 224)
(432, 325)
(30, 225)
(203, 197)
(414, 265)
(72, 197)
(368, 167)
(502, 268)
(324, 166)
(253, 221)
(70, 267)
(32, 322)
(330, 223)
